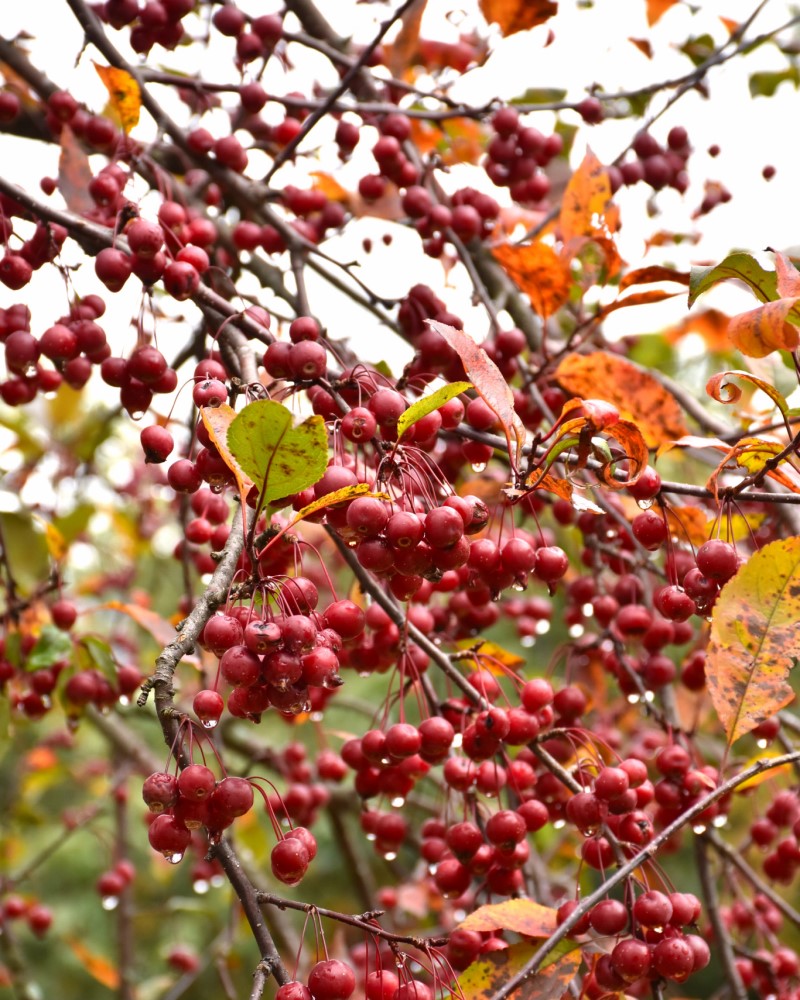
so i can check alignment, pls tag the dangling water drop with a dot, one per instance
(646, 504)
(174, 859)
(210, 723)
(390, 855)
(398, 802)
(110, 902)
(201, 887)
(478, 466)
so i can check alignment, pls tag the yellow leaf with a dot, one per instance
(486, 652)
(484, 978)
(56, 543)
(125, 99)
(755, 639)
(523, 916)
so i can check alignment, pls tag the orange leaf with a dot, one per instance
(125, 99)
(710, 324)
(489, 383)
(755, 641)
(158, 627)
(74, 173)
(522, 916)
(217, 420)
(788, 276)
(643, 45)
(763, 330)
(645, 275)
(538, 271)
(634, 392)
(688, 523)
(564, 489)
(586, 199)
(657, 8)
(636, 299)
(518, 15)
(402, 50)
(330, 187)
(97, 966)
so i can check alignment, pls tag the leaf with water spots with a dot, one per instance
(496, 969)
(279, 457)
(755, 638)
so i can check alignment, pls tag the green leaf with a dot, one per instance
(765, 84)
(51, 646)
(740, 266)
(698, 49)
(540, 95)
(280, 459)
(96, 654)
(422, 407)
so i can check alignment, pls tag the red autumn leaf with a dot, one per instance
(74, 174)
(488, 381)
(538, 271)
(518, 15)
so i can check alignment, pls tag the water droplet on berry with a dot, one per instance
(527, 641)
(649, 696)
(110, 902)
(478, 466)
(371, 836)
(518, 586)
(576, 631)
(174, 859)
(398, 802)
(124, 699)
(316, 716)
(542, 627)
(646, 504)
(201, 886)
(698, 828)
(137, 414)
(559, 824)
(390, 855)
(762, 744)
(719, 821)
(209, 723)
(457, 740)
